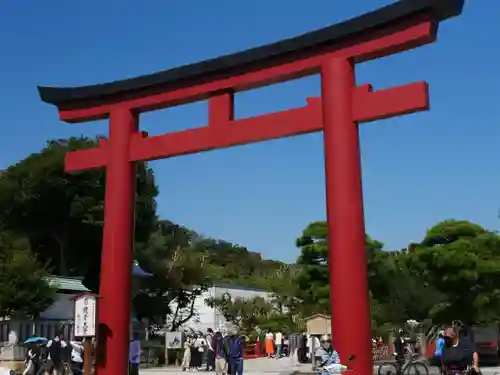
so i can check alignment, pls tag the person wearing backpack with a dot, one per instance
(57, 352)
(236, 353)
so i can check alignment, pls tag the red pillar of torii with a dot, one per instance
(331, 52)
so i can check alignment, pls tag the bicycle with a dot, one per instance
(467, 371)
(391, 368)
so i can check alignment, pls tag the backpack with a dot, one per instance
(235, 345)
(55, 351)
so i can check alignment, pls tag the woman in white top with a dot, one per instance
(313, 344)
(278, 340)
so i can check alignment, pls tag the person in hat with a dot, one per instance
(459, 353)
(326, 355)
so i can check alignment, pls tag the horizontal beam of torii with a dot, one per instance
(222, 131)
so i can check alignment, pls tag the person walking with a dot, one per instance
(279, 344)
(236, 353)
(269, 344)
(209, 353)
(32, 360)
(186, 358)
(201, 346)
(302, 349)
(221, 352)
(293, 346)
(56, 352)
(134, 353)
(77, 355)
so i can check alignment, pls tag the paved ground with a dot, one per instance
(251, 367)
(281, 366)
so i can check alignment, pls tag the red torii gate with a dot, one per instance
(331, 52)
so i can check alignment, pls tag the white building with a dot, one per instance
(208, 317)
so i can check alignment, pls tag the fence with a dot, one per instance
(29, 328)
(381, 352)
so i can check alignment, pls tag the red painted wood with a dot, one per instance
(342, 106)
(114, 310)
(344, 209)
(394, 39)
(222, 132)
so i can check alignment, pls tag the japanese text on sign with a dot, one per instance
(85, 316)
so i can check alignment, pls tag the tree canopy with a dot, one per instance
(24, 289)
(449, 275)
(51, 223)
(60, 215)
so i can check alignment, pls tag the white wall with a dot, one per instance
(61, 309)
(207, 317)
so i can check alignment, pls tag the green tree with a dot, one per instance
(62, 213)
(178, 276)
(313, 284)
(244, 314)
(405, 296)
(282, 286)
(462, 261)
(24, 291)
(230, 263)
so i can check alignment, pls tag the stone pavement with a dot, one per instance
(281, 366)
(256, 366)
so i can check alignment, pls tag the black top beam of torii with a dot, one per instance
(229, 65)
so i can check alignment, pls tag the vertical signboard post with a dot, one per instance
(85, 325)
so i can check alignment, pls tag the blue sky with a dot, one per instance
(417, 169)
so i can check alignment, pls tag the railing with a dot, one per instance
(381, 352)
(29, 328)
(250, 351)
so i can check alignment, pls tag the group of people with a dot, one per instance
(276, 344)
(455, 352)
(53, 357)
(214, 351)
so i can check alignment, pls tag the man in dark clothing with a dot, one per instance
(57, 354)
(236, 345)
(459, 353)
(399, 349)
(209, 354)
(221, 352)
